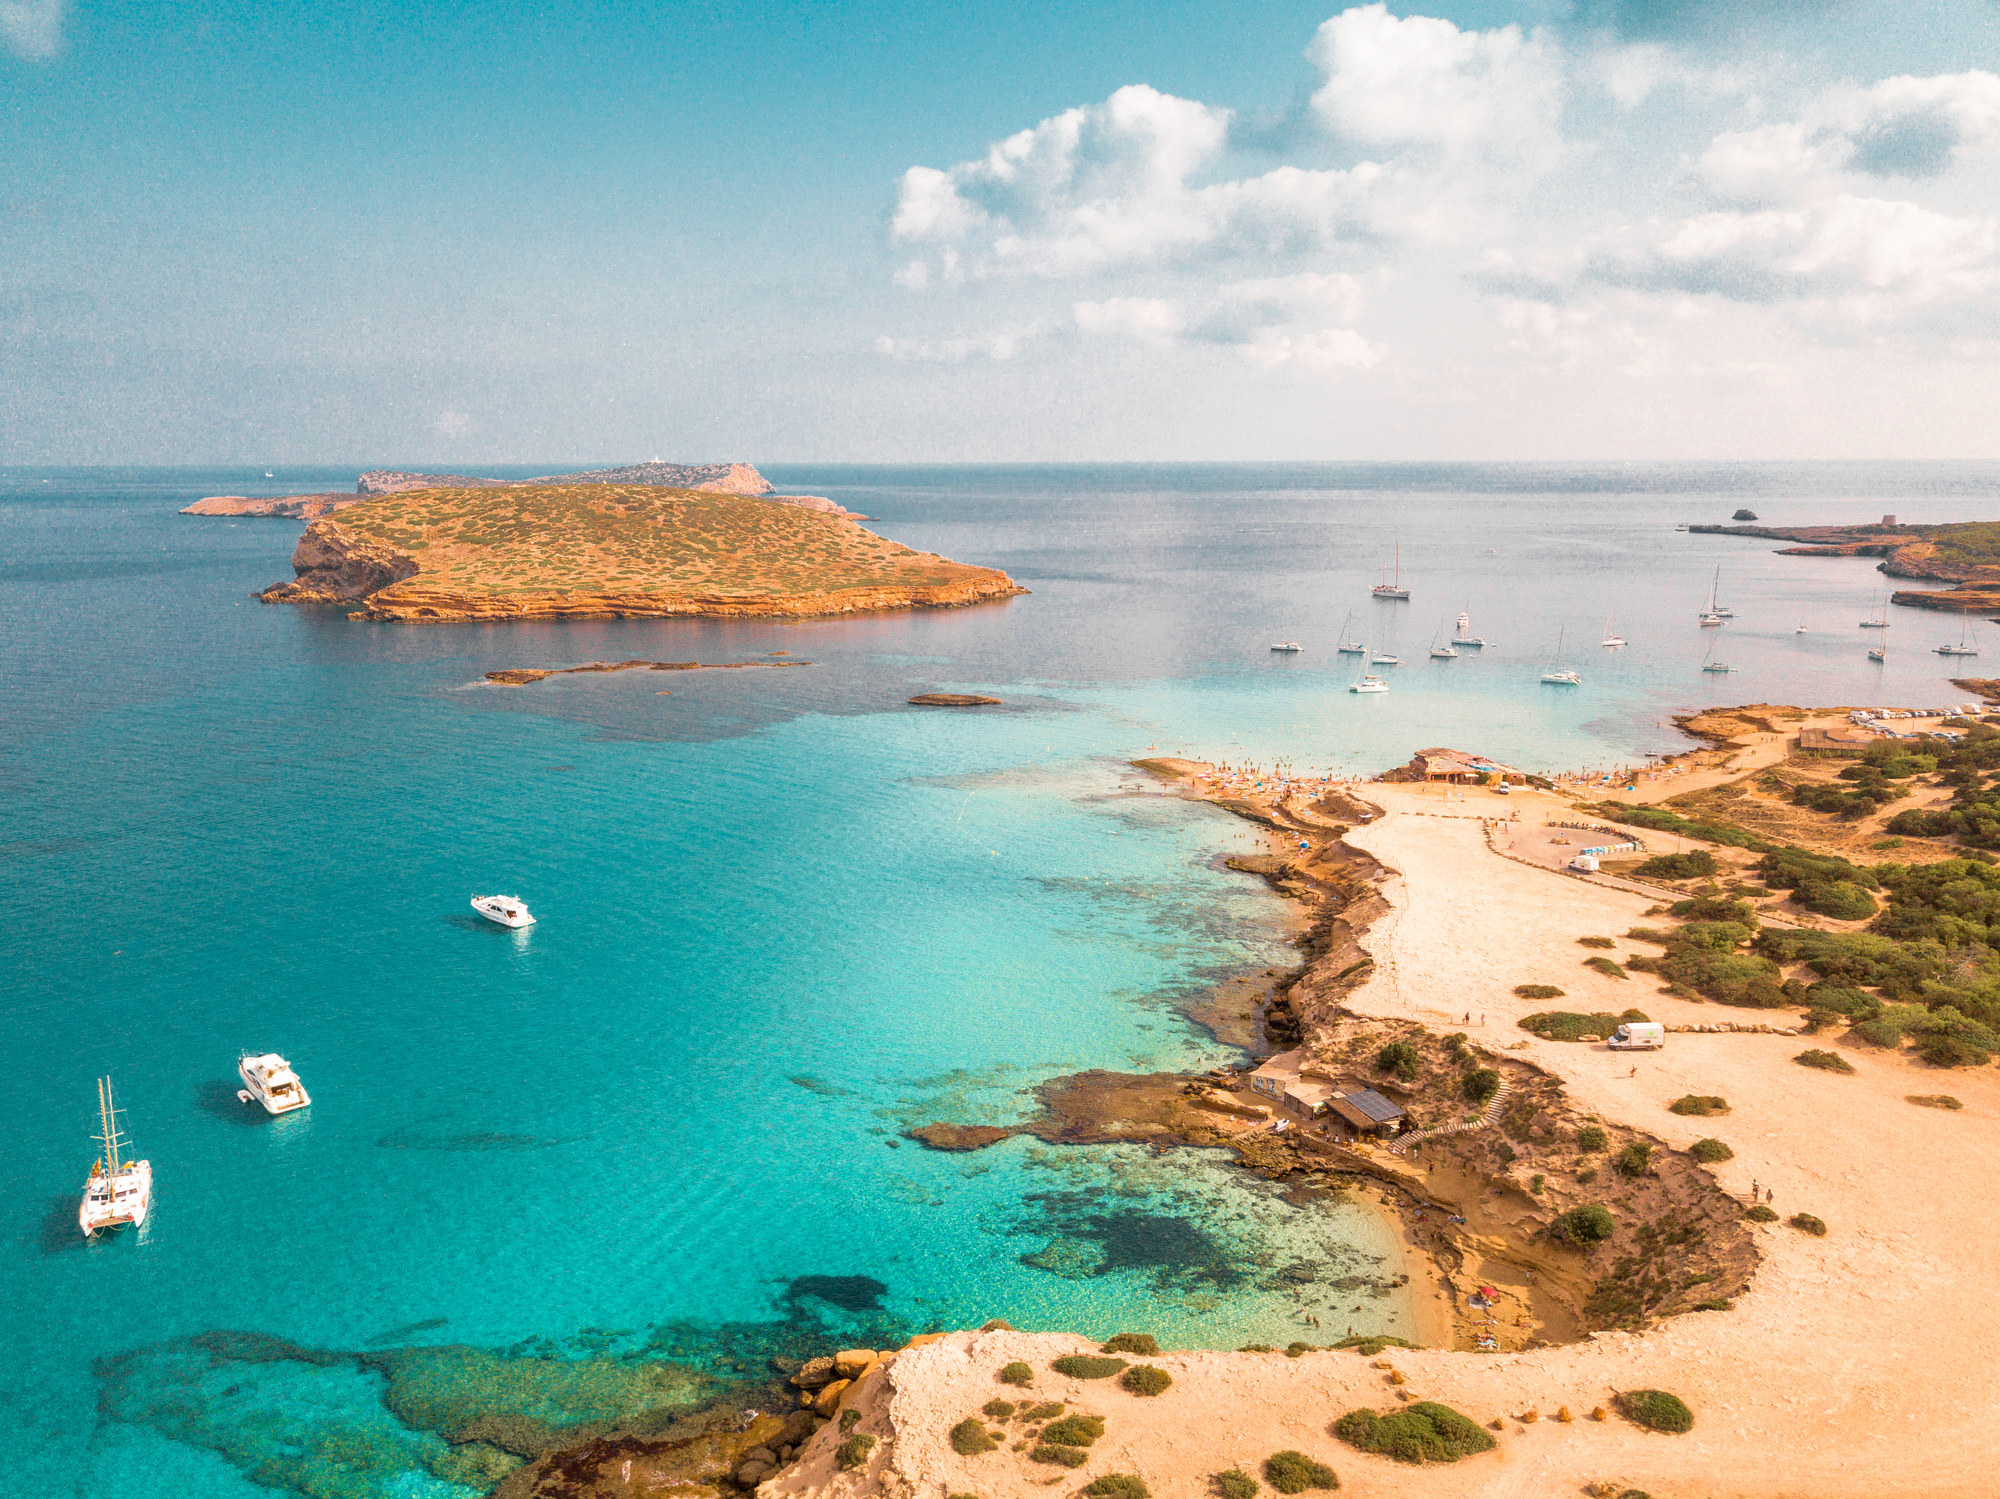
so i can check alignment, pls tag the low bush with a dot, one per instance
(1761, 1214)
(1587, 1175)
(1016, 1373)
(1235, 1484)
(1825, 1061)
(1537, 991)
(1698, 1105)
(853, 1452)
(1692, 866)
(1932, 1100)
(1000, 1410)
(1142, 1343)
(1713, 1304)
(1573, 1025)
(1806, 1223)
(1588, 1223)
(1634, 1160)
(1943, 1050)
(1144, 1379)
(1595, 942)
(1841, 899)
(1708, 1152)
(1292, 1472)
(969, 1438)
(1400, 1058)
(849, 1419)
(1117, 1486)
(1537, 1182)
(1074, 1431)
(1655, 1409)
(1068, 1457)
(1606, 967)
(1048, 1410)
(1087, 1366)
(1370, 1344)
(1480, 1084)
(1591, 1138)
(1422, 1433)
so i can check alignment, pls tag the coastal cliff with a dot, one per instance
(594, 551)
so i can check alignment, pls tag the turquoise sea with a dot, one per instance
(783, 917)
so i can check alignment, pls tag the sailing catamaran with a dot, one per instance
(1710, 615)
(1349, 646)
(1611, 635)
(1556, 674)
(118, 1191)
(1368, 682)
(1388, 590)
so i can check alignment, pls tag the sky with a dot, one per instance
(880, 231)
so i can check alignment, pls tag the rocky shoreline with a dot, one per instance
(1908, 552)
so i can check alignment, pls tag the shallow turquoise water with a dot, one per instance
(783, 918)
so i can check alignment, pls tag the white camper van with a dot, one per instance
(1646, 1035)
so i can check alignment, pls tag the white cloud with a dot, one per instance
(1001, 344)
(32, 28)
(1144, 317)
(1324, 351)
(1419, 81)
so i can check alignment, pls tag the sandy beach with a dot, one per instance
(1847, 1368)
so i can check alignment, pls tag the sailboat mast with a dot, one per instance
(107, 1113)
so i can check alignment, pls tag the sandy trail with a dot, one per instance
(1856, 1365)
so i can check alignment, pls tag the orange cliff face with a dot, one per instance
(594, 550)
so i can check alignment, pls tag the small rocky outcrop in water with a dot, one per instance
(1744, 515)
(960, 1136)
(953, 700)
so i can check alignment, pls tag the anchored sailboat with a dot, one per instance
(1880, 620)
(1711, 664)
(1349, 646)
(1880, 653)
(1611, 635)
(1441, 649)
(1961, 649)
(1556, 675)
(1710, 615)
(118, 1191)
(1465, 624)
(1388, 590)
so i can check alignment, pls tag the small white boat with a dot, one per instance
(505, 909)
(1711, 664)
(1961, 649)
(1288, 647)
(1800, 629)
(1388, 590)
(1442, 650)
(1881, 619)
(1368, 683)
(117, 1191)
(1349, 646)
(1385, 660)
(268, 1079)
(1556, 676)
(1611, 635)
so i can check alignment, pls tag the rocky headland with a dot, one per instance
(1966, 554)
(597, 549)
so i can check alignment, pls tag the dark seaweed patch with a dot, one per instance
(851, 1293)
(1089, 1242)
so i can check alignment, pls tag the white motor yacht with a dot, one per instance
(508, 910)
(268, 1079)
(117, 1191)
(1368, 683)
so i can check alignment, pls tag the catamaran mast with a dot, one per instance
(107, 1114)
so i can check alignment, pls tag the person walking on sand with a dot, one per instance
(1633, 1073)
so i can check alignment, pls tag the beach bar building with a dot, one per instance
(1459, 768)
(1307, 1093)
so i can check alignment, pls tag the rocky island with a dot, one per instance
(1966, 554)
(592, 548)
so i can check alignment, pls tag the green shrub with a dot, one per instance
(1825, 1061)
(1708, 1152)
(1480, 1084)
(1943, 1050)
(1142, 1343)
(1588, 1223)
(849, 1419)
(1292, 1472)
(1606, 967)
(853, 1452)
(1400, 1058)
(1371, 1343)
(1537, 1182)
(1713, 1304)
(1760, 1214)
(969, 1438)
(1711, 906)
(1069, 1457)
(1590, 1139)
(1634, 1160)
(1572, 1025)
(1074, 1431)
(1295, 1349)
(1807, 1223)
(1048, 1410)
(1932, 1100)
(1422, 1433)
(1841, 899)
(1087, 1366)
(1144, 1379)
(1235, 1484)
(1537, 991)
(1595, 942)
(1699, 1105)
(1116, 1486)
(999, 1410)
(1654, 1408)
(1691, 866)
(1016, 1373)
(1881, 1031)
(1587, 1175)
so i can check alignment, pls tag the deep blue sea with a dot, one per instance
(783, 917)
